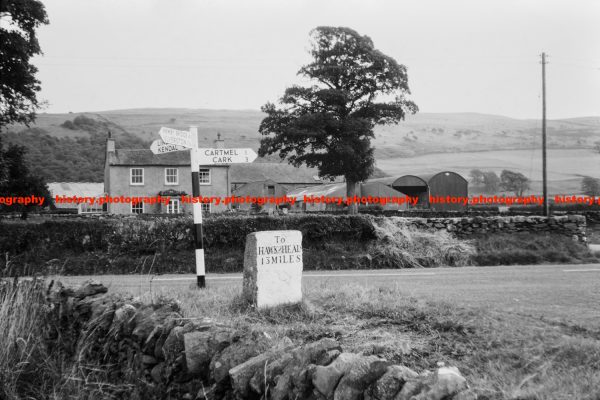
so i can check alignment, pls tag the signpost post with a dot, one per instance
(197, 211)
(175, 140)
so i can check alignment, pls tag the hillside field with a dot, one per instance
(424, 143)
(566, 167)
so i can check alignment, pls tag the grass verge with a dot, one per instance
(525, 248)
(503, 355)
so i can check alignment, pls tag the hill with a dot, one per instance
(75, 151)
(423, 133)
(69, 150)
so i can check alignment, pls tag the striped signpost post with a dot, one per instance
(183, 140)
(197, 211)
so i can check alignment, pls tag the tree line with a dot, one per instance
(518, 183)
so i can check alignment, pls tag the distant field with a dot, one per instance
(419, 134)
(424, 143)
(566, 167)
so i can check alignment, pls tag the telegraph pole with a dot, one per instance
(546, 206)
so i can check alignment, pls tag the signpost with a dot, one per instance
(160, 147)
(181, 138)
(225, 156)
(175, 140)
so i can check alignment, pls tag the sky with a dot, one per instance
(462, 55)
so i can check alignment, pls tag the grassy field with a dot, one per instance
(424, 143)
(503, 355)
(566, 167)
(422, 133)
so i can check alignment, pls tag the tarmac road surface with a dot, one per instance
(558, 292)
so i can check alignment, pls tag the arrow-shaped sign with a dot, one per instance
(160, 147)
(225, 156)
(173, 136)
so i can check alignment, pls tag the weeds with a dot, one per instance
(399, 246)
(27, 369)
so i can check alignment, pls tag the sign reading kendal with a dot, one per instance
(273, 268)
(160, 147)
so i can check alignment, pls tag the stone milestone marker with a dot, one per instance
(273, 268)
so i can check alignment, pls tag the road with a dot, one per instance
(558, 292)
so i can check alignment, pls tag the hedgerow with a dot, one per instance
(155, 245)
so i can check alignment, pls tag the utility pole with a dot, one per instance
(546, 206)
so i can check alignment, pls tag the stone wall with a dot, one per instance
(568, 225)
(152, 352)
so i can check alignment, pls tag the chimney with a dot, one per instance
(110, 144)
(219, 143)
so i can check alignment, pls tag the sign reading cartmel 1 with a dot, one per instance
(225, 156)
(175, 140)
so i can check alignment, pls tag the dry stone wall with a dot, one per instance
(569, 225)
(152, 352)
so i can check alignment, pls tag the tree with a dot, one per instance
(18, 43)
(514, 182)
(590, 186)
(20, 182)
(329, 125)
(476, 176)
(491, 182)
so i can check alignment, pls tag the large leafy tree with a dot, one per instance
(20, 181)
(18, 43)
(329, 125)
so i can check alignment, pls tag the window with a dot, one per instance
(173, 206)
(171, 176)
(86, 208)
(270, 190)
(205, 208)
(137, 208)
(204, 176)
(136, 176)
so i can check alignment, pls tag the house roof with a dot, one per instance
(69, 189)
(278, 172)
(339, 190)
(330, 190)
(144, 157)
(240, 173)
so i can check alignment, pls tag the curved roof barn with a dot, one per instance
(440, 185)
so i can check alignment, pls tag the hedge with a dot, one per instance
(154, 244)
(108, 244)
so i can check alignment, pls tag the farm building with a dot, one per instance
(282, 173)
(140, 172)
(442, 184)
(267, 188)
(77, 189)
(338, 190)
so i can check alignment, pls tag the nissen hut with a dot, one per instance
(442, 184)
